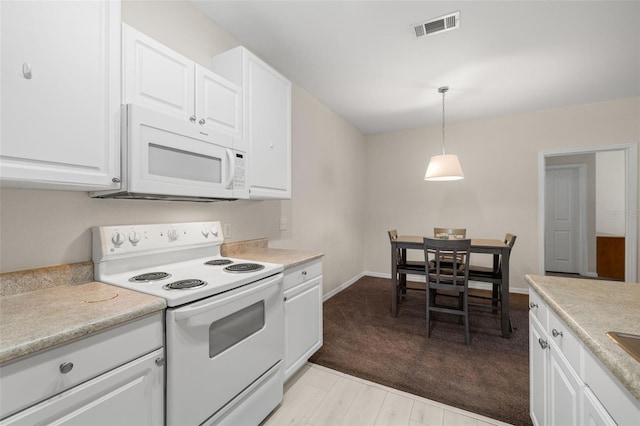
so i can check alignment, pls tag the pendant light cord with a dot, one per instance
(443, 90)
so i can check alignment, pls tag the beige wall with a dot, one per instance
(40, 228)
(499, 194)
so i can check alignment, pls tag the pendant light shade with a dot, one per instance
(444, 167)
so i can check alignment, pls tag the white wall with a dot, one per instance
(500, 191)
(610, 203)
(41, 228)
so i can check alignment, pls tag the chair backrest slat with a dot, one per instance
(450, 233)
(447, 261)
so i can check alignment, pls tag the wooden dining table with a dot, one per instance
(488, 246)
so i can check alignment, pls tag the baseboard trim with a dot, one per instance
(341, 287)
(420, 278)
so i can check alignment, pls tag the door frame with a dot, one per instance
(631, 201)
(581, 252)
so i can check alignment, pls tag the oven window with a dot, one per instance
(176, 163)
(234, 328)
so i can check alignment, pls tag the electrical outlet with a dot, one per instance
(284, 223)
(226, 230)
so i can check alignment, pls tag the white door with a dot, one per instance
(562, 220)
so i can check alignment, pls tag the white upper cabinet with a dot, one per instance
(60, 83)
(218, 103)
(158, 77)
(267, 121)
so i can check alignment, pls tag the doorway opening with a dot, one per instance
(588, 212)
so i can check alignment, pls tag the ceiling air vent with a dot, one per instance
(438, 25)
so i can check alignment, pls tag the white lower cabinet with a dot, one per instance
(594, 412)
(567, 385)
(129, 395)
(302, 314)
(115, 377)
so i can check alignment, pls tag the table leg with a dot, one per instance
(504, 289)
(394, 280)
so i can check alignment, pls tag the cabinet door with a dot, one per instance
(593, 413)
(538, 370)
(303, 324)
(218, 103)
(132, 394)
(563, 391)
(269, 127)
(60, 98)
(156, 76)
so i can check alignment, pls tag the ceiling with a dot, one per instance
(361, 59)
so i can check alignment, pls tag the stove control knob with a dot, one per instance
(118, 239)
(205, 232)
(172, 234)
(214, 230)
(134, 237)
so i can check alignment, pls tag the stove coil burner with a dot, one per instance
(149, 276)
(244, 267)
(184, 284)
(219, 262)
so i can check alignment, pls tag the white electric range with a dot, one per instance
(225, 321)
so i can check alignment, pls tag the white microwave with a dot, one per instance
(166, 158)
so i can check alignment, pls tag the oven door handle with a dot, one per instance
(191, 312)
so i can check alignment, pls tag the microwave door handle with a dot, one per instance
(232, 168)
(194, 314)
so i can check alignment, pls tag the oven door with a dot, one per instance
(217, 347)
(168, 156)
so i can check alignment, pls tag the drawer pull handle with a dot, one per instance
(556, 333)
(543, 343)
(533, 305)
(65, 367)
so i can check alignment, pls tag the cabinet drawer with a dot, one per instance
(565, 341)
(35, 378)
(128, 395)
(301, 273)
(538, 308)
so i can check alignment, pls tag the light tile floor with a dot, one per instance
(319, 396)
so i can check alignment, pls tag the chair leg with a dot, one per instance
(466, 320)
(430, 302)
(495, 297)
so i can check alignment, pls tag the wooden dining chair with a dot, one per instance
(404, 267)
(449, 233)
(450, 277)
(492, 274)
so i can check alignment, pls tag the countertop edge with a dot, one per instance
(67, 336)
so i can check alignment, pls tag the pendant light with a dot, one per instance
(444, 167)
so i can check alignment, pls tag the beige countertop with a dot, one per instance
(42, 317)
(591, 308)
(259, 251)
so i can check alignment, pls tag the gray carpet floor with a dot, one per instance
(489, 377)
